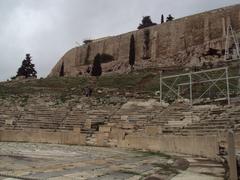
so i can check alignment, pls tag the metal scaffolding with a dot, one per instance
(173, 85)
(231, 34)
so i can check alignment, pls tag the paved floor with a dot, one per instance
(50, 161)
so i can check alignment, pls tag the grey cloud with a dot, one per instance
(48, 28)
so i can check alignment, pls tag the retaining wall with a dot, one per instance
(206, 146)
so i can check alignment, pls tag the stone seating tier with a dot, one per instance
(176, 119)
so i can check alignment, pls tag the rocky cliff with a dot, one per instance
(182, 42)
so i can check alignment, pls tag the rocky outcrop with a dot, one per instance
(182, 42)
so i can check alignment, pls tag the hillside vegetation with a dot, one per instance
(139, 81)
(140, 84)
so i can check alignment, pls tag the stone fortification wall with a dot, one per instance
(182, 42)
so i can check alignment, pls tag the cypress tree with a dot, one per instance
(97, 68)
(132, 52)
(61, 74)
(162, 19)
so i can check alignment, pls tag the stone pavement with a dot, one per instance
(51, 161)
(201, 169)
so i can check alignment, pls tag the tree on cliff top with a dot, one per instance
(170, 18)
(27, 69)
(162, 19)
(132, 52)
(61, 73)
(97, 68)
(146, 22)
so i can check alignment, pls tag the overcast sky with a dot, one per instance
(48, 28)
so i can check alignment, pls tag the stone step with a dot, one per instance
(206, 127)
(204, 131)
(208, 123)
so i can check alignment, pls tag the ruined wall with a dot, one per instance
(138, 124)
(194, 145)
(181, 42)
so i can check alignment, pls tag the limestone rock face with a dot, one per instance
(181, 42)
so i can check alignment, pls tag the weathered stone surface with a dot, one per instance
(181, 42)
(232, 156)
(104, 128)
(102, 139)
(198, 145)
(9, 122)
(124, 118)
(137, 124)
(54, 162)
(77, 129)
(117, 133)
(153, 130)
(88, 123)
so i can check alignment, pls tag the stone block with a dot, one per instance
(153, 130)
(127, 126)
(77, 129)
(9, 121)
(102, 139)
(73, 138)
(104, 129)
(41, 136)
(205, 146)
(124, 118)
(88, 124)
(117, 133)
(111, 124)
